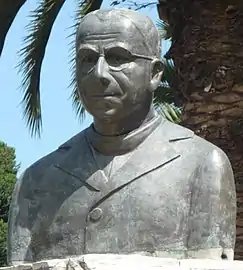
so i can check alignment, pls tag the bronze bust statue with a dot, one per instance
(132, 182)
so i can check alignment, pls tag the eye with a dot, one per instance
(116, 60)
(89, 59)
(87, 56)
(117, 57)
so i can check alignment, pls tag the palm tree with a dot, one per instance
(207, 38)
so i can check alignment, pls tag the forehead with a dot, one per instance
(110, 32)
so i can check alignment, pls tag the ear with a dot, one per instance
(157, 69)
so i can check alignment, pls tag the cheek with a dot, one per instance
(138, 74)
(79, 82)
(133, 74)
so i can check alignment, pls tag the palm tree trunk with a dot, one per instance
(207, 39)
(8, 11)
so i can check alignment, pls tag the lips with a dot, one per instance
(106, 95)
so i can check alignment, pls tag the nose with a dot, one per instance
(102, 71)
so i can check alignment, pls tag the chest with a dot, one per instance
(128, 213)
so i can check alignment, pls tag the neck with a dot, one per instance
(125, 125)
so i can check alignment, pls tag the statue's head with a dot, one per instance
(118, 63)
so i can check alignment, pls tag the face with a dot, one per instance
(113, 69)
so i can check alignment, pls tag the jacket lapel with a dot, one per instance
(78, 165)
(154, 153)
(79, 169)
(71, 167)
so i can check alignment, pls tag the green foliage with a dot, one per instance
(8, 171)
(3, 241)
(169, 111)
(164, 98)
(165, 92)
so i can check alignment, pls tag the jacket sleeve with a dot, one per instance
(212, 215)
(19, 231)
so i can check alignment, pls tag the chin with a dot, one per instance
(108, 115)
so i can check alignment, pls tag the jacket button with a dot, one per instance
(95, 215)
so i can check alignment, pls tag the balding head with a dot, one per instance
(139, 30)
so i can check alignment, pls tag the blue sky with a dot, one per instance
(59, 121)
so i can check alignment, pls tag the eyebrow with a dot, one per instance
(84, 47)
(95, 48)
(100, 36)
(113, 46)
(120, 45)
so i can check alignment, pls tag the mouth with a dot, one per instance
(106, 95)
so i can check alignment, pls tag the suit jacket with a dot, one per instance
(175, 196)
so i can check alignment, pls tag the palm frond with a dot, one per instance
(165, 92)
(169, 71)
(169, 111)
(8, 12)
(164, 29)
(43, 18)
(84, 7)
(165, 95)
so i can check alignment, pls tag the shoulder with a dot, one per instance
(39, 168)
(213, 170)
(174, 132)
(211, 156)
(193, 146)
